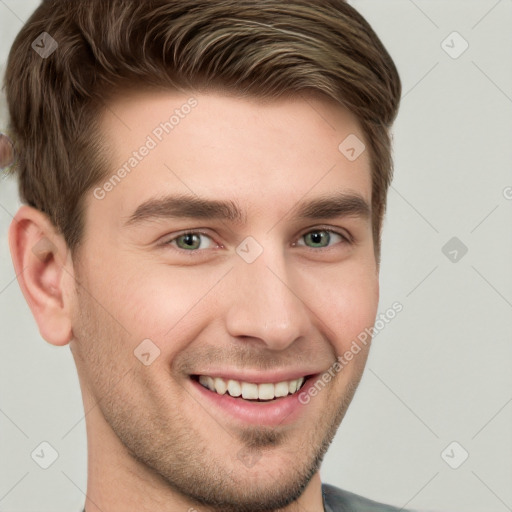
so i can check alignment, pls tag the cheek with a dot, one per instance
(159, 302)
(347, 303)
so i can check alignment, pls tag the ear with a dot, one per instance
(44, 270)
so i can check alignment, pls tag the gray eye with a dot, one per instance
(320, 238)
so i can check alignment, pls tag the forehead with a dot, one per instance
(265, 154)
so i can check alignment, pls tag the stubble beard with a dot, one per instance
(177, 454)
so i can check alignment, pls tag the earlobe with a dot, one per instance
(44, 272)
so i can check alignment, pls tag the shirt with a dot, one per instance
(338, 500)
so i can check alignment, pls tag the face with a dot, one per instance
(203, 267)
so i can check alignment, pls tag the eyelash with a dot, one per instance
(346, 239)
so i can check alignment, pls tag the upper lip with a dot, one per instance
(258, 377)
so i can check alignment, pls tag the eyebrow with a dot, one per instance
(193, 207)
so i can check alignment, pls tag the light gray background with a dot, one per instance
(439, 372)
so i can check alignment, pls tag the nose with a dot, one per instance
(265, 303)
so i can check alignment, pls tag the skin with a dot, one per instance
(154, 443)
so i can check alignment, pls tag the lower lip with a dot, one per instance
(280, 411)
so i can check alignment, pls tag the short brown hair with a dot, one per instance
(260, 48)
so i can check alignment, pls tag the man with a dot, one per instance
(205, 183)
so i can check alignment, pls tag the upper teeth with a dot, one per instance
(250, 391)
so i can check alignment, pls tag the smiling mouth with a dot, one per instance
(251, 391)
